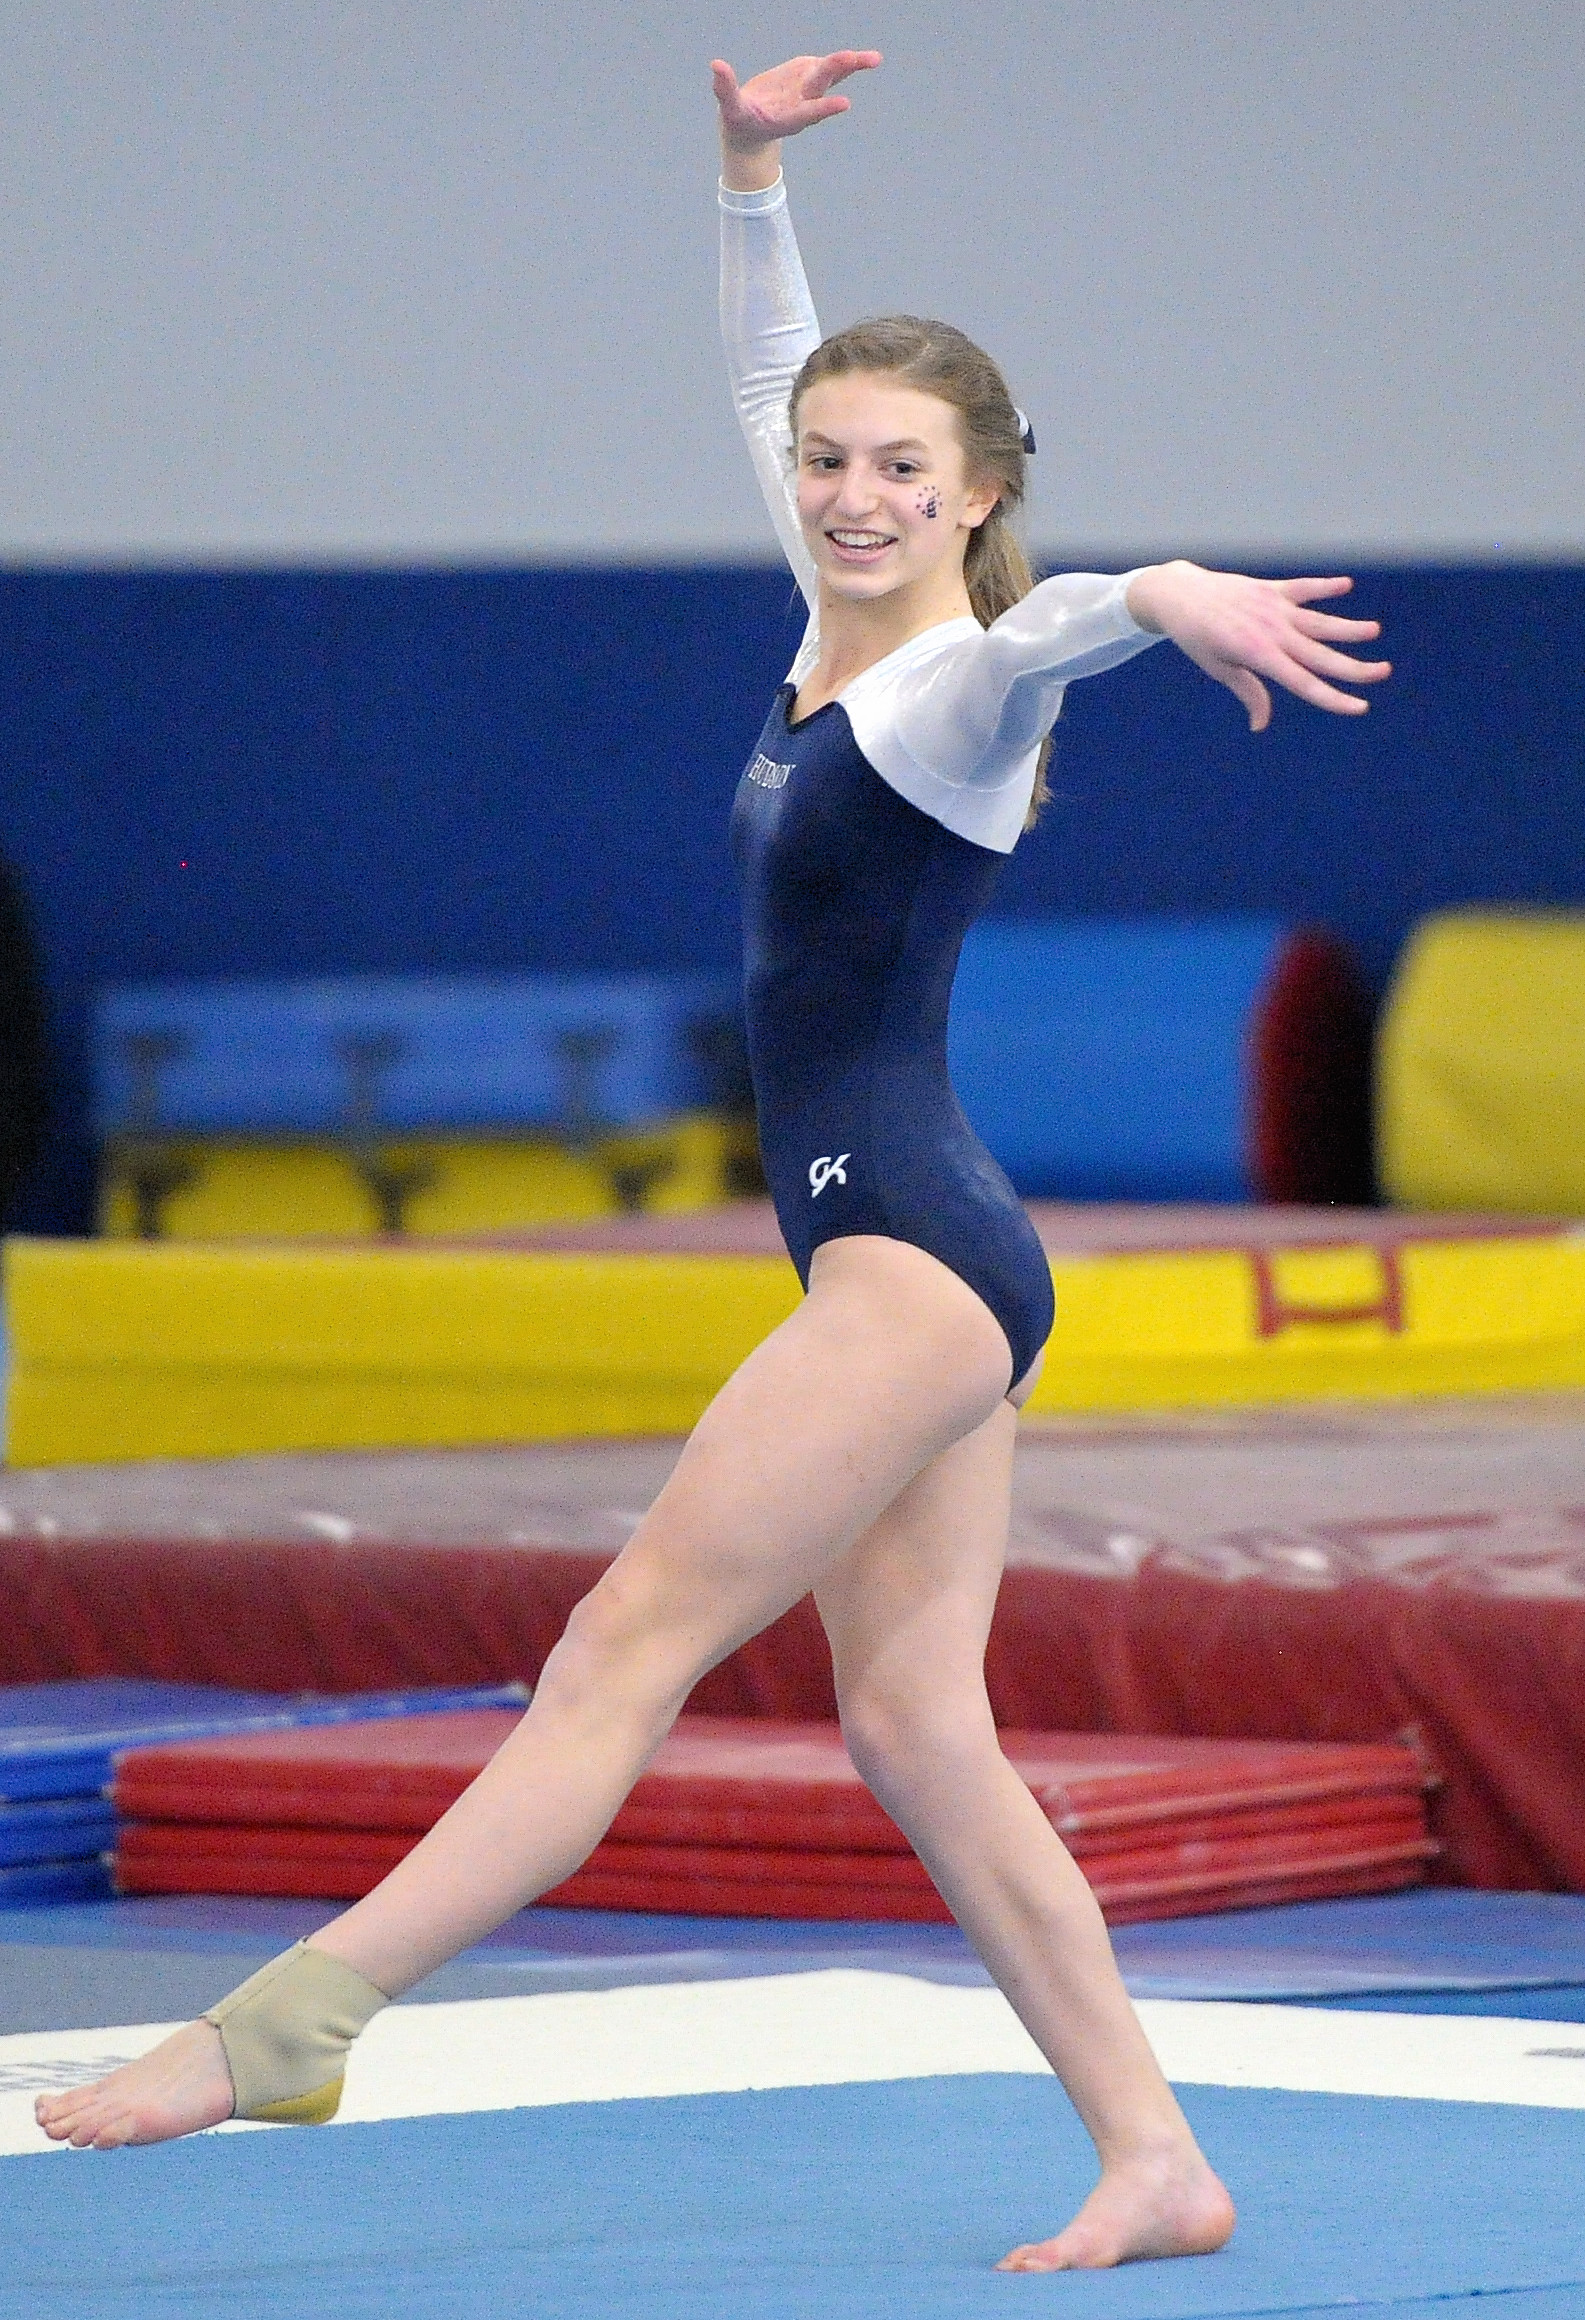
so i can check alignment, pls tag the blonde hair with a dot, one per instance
(940, 360)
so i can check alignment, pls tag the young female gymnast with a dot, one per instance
(865, 1449)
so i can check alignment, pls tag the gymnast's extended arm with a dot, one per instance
(973, 713)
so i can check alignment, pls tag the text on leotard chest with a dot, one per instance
(767, 773)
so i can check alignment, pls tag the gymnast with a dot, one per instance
(865, 1449)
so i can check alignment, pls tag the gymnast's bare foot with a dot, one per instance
(1166, 2203)
(177, 2087)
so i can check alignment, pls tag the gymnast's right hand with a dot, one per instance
(776, 104)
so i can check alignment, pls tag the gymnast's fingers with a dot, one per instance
(1247, 688)
(786, 99)
(839, 66)
(738, 122)
(1295, 678)
(823, 74)
(1326, 663)
(1331, 626)
(1305, 591)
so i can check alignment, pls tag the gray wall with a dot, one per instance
(434, 278)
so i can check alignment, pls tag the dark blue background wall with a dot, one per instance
(297, 772)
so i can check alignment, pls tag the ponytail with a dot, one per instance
(999, 575)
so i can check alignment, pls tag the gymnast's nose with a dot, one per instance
(859, 495)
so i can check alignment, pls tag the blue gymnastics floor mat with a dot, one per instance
(1438, 1938)
(878, 2202)
(1433, 1940)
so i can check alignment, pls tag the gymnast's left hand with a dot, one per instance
(1243, 632)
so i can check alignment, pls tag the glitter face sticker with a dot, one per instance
(929, 502)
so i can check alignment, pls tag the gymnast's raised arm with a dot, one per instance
(768, 323)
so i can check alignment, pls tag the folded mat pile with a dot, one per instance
(58, 1742)
(740, 1817)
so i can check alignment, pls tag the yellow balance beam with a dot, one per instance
(158, 1349)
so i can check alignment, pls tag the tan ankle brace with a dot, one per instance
(286, 2031)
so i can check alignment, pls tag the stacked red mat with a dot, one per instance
(739, 1817)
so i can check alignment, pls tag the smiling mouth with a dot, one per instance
(861, 543)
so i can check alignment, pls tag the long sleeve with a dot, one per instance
(769, 329)
(974, 713)
(952, 721)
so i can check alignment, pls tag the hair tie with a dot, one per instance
(1025, 430)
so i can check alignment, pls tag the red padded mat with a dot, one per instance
(747, 1817)
(849, 1901)
(726, 1780)
(716, 1881)
(1159, 1881)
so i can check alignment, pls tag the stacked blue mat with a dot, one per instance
(57, 1742)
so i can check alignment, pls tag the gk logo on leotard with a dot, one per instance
(825, 1169)
(768, 773)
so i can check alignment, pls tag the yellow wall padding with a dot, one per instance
(145, 1349)
(227, 1189)
(1480, 1068)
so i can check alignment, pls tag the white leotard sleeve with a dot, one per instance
(954, 719)
(769, 329)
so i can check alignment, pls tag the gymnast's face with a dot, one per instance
(883, 498)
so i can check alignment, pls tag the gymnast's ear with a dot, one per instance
(982, 503)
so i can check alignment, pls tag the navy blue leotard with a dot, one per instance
(855, 905)
(868, 837)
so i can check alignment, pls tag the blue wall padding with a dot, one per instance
(468, 1051)
(1107, 1060)
(390, 772)
(57, 1739)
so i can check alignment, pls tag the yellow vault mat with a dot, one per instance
(162, 1349)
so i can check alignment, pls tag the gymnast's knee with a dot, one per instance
(620, 1646)
(909, 1742)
